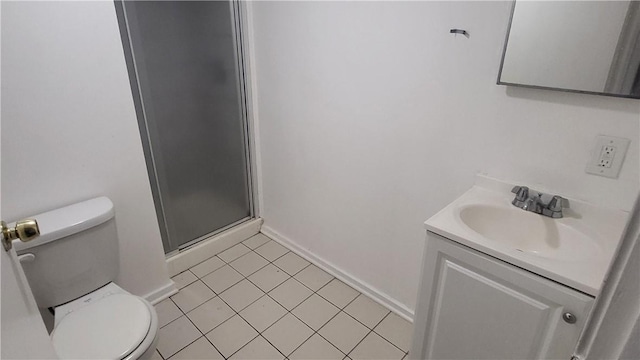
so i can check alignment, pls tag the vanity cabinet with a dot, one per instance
(474, 306)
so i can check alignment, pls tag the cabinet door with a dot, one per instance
(473, 306)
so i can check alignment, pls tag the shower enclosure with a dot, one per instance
(186, 73)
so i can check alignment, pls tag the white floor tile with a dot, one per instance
(207, 266)
(317, 348)
(167, 312)
(248, 263)
(258, 349)
(192, 295)
(344, 332)
(287, 334)
(397, 330)
(156, 356)
(210, 314)
(366, 311)
(283, 334)
(222, 279)
(291, 263)
(339, 293)
(231, 335)
(271, 250)
(184, 278)
(199, 349)
(313, 277)
(178, 334)
(315, 311)
(268, 277)
(233, 253)
(262, 313)
(256, 241)
(290, 293)
(375, 347)
(241, 295)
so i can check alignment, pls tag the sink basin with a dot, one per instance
(529, 233)
(574, 250)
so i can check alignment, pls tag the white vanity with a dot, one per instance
(499, 282)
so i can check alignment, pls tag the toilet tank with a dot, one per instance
(76, 252)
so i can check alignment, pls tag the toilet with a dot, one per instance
(71, 268)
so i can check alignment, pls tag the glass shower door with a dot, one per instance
(187, 80)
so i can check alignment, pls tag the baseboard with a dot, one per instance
(162, 293)
(365, 288)
(212, 246)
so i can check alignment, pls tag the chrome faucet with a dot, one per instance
(533, 203)
(536, 203)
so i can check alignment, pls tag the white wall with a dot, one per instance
(69, 129)
(541, 28)
(373, 117)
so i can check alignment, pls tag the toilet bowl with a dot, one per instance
(108, 323)
(71, 268)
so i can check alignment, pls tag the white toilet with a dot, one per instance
(71, 267)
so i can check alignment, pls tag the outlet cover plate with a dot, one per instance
(605, 162)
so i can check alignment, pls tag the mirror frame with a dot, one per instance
(504, 52)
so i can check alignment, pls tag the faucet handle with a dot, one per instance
(522, 192)
(557, 203)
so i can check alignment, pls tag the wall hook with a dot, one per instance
(459, 31)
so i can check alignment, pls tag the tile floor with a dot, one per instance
(258, 300)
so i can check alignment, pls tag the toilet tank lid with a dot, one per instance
(69, 220)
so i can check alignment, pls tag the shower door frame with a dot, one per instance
(238, 13)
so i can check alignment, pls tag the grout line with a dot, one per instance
(382, 336)
(187, 317)
(214, 346)
(238, 311)
(340, 309)
(369, 333)
(265, 339)
(255, 271)
(327, 340)
(359, 342)
(325, 323)
(289, 276)
(178, 307)
(280, 318)
(241, 317)
(290, 311)
(158, 352)
(214, 256)
(267, 294)
(347, 304)
(241, 347)
(235, 313)
(241, 255)
(185, 284)
(304, 341)
(194, 325)
(228, 287)
(268, 261)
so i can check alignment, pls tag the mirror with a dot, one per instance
(582, 46)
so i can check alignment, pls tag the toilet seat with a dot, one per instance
(108, 323)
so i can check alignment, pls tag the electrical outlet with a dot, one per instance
(608, 156)
(604, 163)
